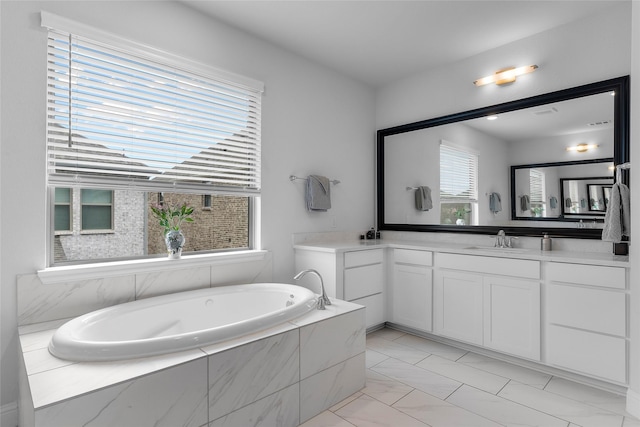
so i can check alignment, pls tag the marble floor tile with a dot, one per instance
(385, 389)
(439, 413)
(395, 350)
(464, 373)
(386, 333)
(343, 402)
(327, 419)
(505, 369)
(432, 347)
(567, 409)
(427, 381)
(589, 395)
(501, 410)
(368, 412)
(373, 358)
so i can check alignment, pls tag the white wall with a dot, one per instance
(314, 121)
(633, 398)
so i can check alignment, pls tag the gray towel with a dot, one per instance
(553, 202)
(423, 198)
(495, 202)
(318, 193)
(567, 202)
(524, 203)
(617, 220)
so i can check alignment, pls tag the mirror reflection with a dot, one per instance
(567, 191)
(504, 168)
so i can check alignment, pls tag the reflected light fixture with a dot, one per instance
(492, 117)
(506, 75)
(581, 148)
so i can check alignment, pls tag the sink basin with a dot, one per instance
(495, 249)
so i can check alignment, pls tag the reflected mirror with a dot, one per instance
(467, 173)
(565, 191)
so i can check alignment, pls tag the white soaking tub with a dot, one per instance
(180, 321)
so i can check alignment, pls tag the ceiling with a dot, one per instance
(378, 42)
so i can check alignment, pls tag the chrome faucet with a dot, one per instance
(323, 299)
(504, 241)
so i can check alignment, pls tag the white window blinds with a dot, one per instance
(458, 173)
(536, 186)
(117, 119)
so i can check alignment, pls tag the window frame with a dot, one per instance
(54, 22)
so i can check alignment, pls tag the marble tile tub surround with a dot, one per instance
(282, 376)
(39, 302)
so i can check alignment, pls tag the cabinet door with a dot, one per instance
(512, 316)
(412, 296)
(457, 305)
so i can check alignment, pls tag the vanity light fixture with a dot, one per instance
(506, 75)
(581, 148)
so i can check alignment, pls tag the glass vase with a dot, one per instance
(174, 239)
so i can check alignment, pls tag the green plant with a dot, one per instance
(172, 217)
(537, 210)
(461, 212)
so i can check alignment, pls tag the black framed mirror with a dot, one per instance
(408, 158)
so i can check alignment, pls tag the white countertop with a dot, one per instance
(592, 258)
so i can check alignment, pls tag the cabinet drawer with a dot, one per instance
(587, 308)
(357, 258)
(411, 256)
(527, 269)
(582, 274)
(362, 281)
(587, 352)
(374, 313)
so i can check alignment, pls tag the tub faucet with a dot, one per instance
(323, 299)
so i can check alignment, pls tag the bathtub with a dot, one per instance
(181, 321)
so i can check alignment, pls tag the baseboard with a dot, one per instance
(633, 403)
(9, 415)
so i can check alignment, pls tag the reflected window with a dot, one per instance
(458, 184)
(537, 192)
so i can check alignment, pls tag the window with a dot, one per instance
(97, 209)
(62, 209)
(537, 191)
(124, 124)
(206, 201)
(458, 184)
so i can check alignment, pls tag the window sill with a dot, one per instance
(79, 272)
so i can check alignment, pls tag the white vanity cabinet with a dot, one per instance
(586, 326)
(411, 289)
(354, 275)
(489, 301)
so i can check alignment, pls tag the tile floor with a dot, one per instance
(412, 381)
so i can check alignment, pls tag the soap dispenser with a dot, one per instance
(545, 243)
